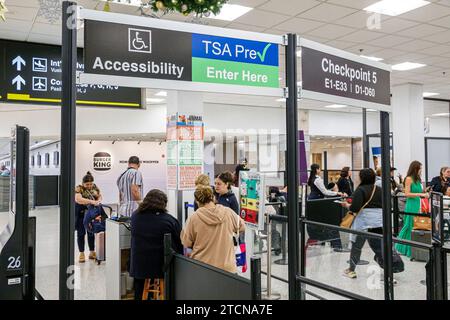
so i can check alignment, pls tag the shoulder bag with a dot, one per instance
(347, 221)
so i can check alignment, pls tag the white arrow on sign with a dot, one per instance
(18, 61)
(18, 81)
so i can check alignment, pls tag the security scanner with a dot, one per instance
(18, 238)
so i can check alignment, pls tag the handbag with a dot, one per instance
(240, 249)
(348, 219)
(425, 205)
(422, 223)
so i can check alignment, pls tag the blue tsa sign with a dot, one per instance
(236, 50)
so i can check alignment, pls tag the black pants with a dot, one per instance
(138, 288)
(374, 243)
(81, 233)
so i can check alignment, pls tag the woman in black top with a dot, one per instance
(224, 194)
(149, 224)
(345, 183)
(441, 182)
(367, 204)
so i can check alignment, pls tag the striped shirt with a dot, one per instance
(127, 204)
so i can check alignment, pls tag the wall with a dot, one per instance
(338, 157)
(52, 169)
(439, 127)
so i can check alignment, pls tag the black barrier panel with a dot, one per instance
(193, 280)
(46, 190)
(324, 211)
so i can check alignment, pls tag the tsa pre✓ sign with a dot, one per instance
(136, 51)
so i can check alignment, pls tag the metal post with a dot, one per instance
(168, 292)
(68, 127)
(325, 168)
(269, 295)
(283, 261)
(387, 222)
(365, 141)
(255, 278)
(396, 217)
(291, 163)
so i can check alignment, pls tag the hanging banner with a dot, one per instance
(32, 74)
(180, 53)
(252, 191)
(336, 76)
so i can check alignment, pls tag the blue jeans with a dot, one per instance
(81, 232)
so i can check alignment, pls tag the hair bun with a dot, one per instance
(88, 173)
(204, 194)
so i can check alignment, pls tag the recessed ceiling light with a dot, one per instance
(336, 106)
(430, 94)
(281, 100)
(161, 94)
(230, 12)
(299, 53)
(300, 83)
(372, 58)
(371, 110)
(155, 100)
(405, 66)
(395, 7)
(440, 115)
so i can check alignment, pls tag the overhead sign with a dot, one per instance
(335, 76)
(176, 55)
(31, 73)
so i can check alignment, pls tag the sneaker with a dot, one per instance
(350, 274)
(81, 257)
(341, 250)
(92, 255)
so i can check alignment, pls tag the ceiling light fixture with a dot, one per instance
(155, 100)
(336, 106)
(430, 94)
(299, 53)
(371, 58)
(230, 12)
(441, 114)
(405, 66)
(161, 94)
(281, 100)
(395, 7)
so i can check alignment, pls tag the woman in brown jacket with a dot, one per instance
(209, 232)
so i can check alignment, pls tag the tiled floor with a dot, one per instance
(322, 264)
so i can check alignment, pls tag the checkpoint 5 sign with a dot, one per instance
(173, 55)
(335, 76)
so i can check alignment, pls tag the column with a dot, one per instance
(185, 139)
(408, 125)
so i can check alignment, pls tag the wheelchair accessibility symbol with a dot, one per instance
(139, 40)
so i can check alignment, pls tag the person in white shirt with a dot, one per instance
(317, 186)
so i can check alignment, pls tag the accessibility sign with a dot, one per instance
(153, 53)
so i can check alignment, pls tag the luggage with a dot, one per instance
(100, 247)
(422, 236)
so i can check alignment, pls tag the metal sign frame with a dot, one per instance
(306, 94)
(118, 18)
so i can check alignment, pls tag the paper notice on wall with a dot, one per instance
(187, 176)
(171, 177)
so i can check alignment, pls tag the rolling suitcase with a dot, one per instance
(422, 236)
(100, 247)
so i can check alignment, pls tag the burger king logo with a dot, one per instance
(102, 161)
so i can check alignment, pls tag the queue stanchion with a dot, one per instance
(269, 294)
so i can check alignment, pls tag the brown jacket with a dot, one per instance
(209, 232)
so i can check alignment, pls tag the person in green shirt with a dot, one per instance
(413, 192)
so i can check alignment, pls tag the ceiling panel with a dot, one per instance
(46, 28)
(388, 53)
(421, 31)
(247, 27)
(330, 31)
(389, 41)
(13, 35)
(262, 18)
(16, 25)
(22, 3)
(394, 25)
(362, 36)
(291, 8)
(427, 13)
(21, 13)
(340, 44)
(327, 13)
(357, 4)
(44, 38)
(442, 37)
(436, 50)
(443, 22)
(359, 20)
(415, 45)
(248, 3)
(365, 49)
(299, 26)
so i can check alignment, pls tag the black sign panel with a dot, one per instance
(333, 75)
(31, 73)
(437, 217)
(141, 52)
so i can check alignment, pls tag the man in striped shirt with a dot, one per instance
(131, 188)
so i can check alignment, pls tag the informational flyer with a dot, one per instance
(184, 150)
(251, 188)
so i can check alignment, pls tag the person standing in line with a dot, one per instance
(209, 232)
(441, 182)
(86, 194)
(224, 195)
(201, 180)
(345, 182)
(378, 181)
(413, 192)
(131, 187)
(148, 226)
